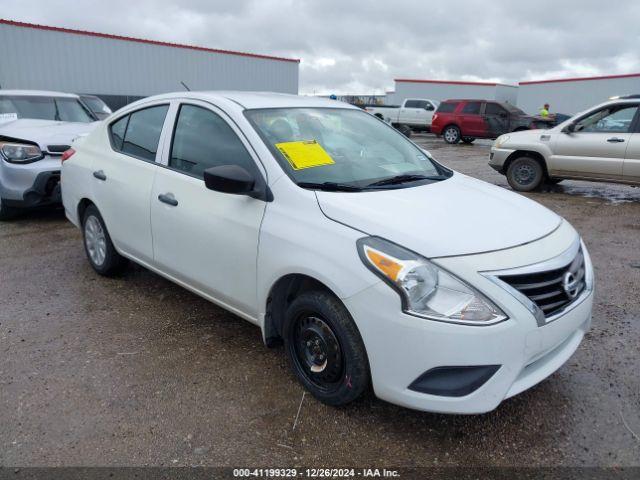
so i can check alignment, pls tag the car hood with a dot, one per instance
(458, 216)
(45, 132)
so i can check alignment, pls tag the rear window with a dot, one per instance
(447, 107)
(138, 133)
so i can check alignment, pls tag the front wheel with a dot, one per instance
(325, 349)
(100, 251)
(525, 174)
(451, 134)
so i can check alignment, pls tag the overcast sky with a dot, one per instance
(361, 46)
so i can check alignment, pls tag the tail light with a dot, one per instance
(434, 118)
(67, 155)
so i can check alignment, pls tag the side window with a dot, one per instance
(494, 109)
(471, 107)
(142, 133)
(412, 104)
(117, 132)
(613, 119)
(447, 107)
(202, 139)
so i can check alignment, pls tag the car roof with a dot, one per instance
(37, 93)
(253, 100)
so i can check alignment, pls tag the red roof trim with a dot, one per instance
(580, 79)
(142, 40)
(452, 82)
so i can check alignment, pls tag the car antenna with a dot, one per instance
(185, 86)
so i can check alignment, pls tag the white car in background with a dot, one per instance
(413, 114)
(36, 128)
(599, 144)
(331, 231)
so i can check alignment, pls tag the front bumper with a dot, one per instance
(402, 347)
(498, 158)
(30, 185)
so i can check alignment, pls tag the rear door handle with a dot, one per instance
(615, 140)
(100, 175)
(168, 198)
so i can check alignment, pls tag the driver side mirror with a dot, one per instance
(569, 128)
(429, 108)
(235, 180)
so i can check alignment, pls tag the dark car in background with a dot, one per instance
(100, 109)
(466, 120)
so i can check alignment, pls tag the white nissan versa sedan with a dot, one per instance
(331, 231)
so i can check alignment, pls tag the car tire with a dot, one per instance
(101, 253)
(468, 140)
(7, 213)
(405, 130)
(451, 134)
(525, 174)
(325, 349)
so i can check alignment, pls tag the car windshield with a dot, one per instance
(513, 109)
(65, 109)
(335, 148)
(97, 105)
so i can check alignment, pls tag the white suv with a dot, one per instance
(599, 144)
(331, 231)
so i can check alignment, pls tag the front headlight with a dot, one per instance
(427, 290)
(20, 152)
(501, 140)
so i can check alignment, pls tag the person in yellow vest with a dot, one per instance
(544, 111)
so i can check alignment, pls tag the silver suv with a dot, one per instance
(599, 144)
(36, 128)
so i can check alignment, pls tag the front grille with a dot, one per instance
(552, 290)
(58, 148)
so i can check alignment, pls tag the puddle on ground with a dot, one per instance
(612, 193)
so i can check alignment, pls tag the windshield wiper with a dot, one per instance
(330, 186)
(57, 114)
(405, 178)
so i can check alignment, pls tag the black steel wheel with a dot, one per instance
(325, 349)
(525, 174)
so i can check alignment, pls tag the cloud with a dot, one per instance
(361, 46)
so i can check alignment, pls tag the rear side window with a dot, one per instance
(471, 107)
(417, 104)
(447, 107)
(138, 133)
(202, 139)
(117, 132)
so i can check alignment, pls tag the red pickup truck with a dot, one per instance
(467, 120)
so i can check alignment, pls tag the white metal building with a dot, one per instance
(443, 89)
(572, 95)
(115, 67)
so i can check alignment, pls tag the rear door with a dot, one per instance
(496, 118)
(471, 122)
(598, 145)
(123, 178)
(631, 166)
(206, 239)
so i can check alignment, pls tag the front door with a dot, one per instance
(596, 148)
(497, 119)
(206, 239)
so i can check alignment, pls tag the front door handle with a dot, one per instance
(615, 140)
(168, 198)
(100, 175)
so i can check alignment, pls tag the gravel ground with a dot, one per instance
(138, 371)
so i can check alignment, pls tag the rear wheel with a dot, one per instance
(468, 140)
(451, 134)
(325, 349)
(525, 174)
(7, 213)
(100, 251)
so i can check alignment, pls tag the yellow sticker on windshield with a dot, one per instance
(305, 154)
